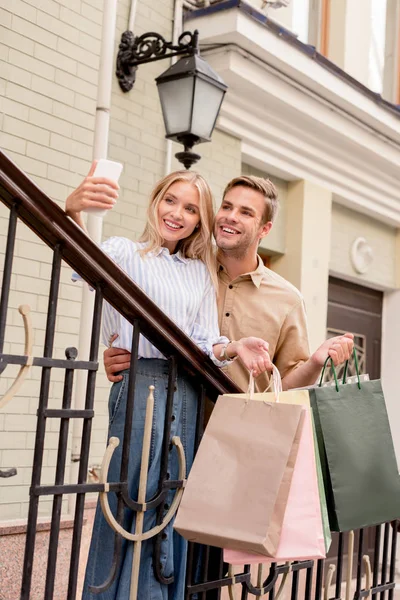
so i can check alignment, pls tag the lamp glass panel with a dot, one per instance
(176, 102)
(207, 101)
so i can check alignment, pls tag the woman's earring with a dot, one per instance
(197, 226)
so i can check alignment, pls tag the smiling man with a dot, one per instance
(254, 300)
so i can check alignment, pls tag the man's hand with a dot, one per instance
(339, 348)
(115, 360)
(253, 352)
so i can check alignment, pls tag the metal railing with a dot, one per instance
(207, 575)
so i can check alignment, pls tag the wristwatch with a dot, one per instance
(223, 355)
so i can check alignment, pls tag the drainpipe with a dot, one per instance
(176, 32)
(94, 224)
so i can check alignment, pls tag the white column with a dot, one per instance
(306, 260)
(350, 36)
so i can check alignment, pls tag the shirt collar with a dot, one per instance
(178, 256)
(256, 276)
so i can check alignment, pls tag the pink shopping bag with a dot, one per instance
(302, 535)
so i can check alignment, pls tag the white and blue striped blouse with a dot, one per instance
(181, 288)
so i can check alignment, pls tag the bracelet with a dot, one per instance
(223, 355)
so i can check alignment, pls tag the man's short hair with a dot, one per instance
(262, 185)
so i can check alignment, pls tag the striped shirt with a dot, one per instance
(181, 287)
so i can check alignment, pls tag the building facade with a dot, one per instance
(312, 103)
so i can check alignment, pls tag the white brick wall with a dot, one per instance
(49, 56)
(49, 53)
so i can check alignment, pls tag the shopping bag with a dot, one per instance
(359, 466)
(237, 489)
(302, 535)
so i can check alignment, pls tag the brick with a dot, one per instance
(15, 74)
(48, 155)
(12, 439)
(80, 23)
(15, 109)
(76, 84)
(79, 166)
(85, 104)
(16, 40)
(52, 90)
(22, 9)
(51, 57)
(69, 146)
(25, 130)
(42, 119)
(19, 423)
(5, 16)
(88, 74)
(31, 64)
(35, 33)
(28, 98)
(48, 6)
(18, 493)
(92, 13)
(10, 142)
(90, 43)
(77, 53)
(73, 115)
(23, 266)
(58, 26)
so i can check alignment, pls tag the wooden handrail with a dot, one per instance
(51, 224)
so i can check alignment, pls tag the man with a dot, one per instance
(252, 299)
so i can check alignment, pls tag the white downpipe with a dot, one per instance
(176, 32)
(94, 224)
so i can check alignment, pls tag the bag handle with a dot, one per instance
(357, 369)
(345, 371)
(275, 379)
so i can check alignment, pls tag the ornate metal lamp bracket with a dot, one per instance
(137, 50)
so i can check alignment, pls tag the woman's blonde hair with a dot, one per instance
(198, 244)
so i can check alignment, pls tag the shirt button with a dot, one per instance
(231, 287)
(173, 418)
(227, 314)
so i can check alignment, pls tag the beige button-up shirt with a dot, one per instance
(265, 305)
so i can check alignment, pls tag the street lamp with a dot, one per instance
(191, 92)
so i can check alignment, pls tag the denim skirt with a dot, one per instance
(173, 546)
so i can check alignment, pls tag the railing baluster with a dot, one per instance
(319, 579)
(309, 577)
(385, 557)
(377, 550)
(339, 566)
(6, 282)
(295, 585)
(392, 572)
(85, 446)
(41, 427)
(245, 591)
(360, 554)
(71, 354)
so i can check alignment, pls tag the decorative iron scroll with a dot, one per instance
(137, 50)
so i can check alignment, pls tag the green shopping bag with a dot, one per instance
(361, 477)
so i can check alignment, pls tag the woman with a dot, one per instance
(175, 265)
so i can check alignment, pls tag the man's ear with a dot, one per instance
(265, 229)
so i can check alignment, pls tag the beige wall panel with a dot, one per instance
(275, 241)
(347, 226)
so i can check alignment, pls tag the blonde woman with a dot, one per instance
(175, 265)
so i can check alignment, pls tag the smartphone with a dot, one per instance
(105, 168)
